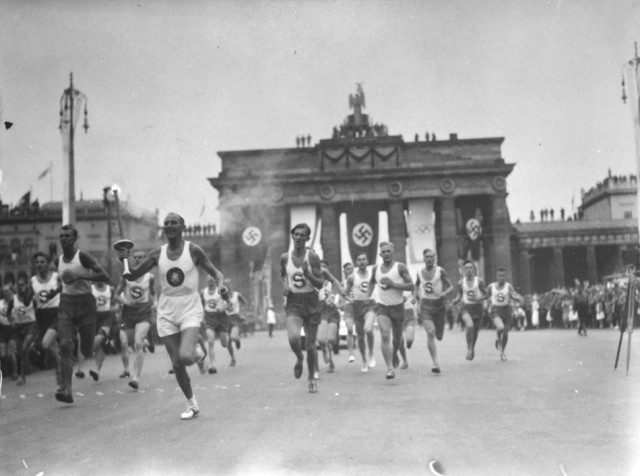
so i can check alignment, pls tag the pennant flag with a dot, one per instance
(362, 229)
(44, 173)
(25, 201)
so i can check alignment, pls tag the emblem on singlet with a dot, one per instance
(101, 300)
(298, 279)
(364, 286)
(67, 276)
(175, 277)
(428, 287)
(500, 297)
(211, 303)
(42, 296)
(137, 292)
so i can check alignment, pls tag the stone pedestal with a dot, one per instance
(448, 239)
(501, 237)
(330, 238)
(397, 229)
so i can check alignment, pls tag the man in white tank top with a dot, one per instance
(364, 314)
(138, 300)
(22, 316)
(180, 311)
(329, 315)
(216, 321)
(346, 306)
(473, 292)
(77, 311)
(45, 284)
(301, 278)
(104, 320)
(392, 278)
(431, 291)
(501, 295)
(232, 309)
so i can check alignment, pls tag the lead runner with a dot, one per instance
(180, 311)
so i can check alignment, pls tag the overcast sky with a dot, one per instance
(171, 83)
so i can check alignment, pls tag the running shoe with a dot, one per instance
(470, 355)
(404, 366)
(503, 357)
(352, 358)
(125, 374)
(316, 375)
(313, 386)
(435, 370)
(332, 368)
(364, 368)
(372, 361)
(232, 363)
(297, 369)
(80, 374)
(64, 397)
(190, 412)
(133, 384)
(213, 370)
(94, 375)
(390, 374)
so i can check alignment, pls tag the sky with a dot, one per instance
(169, 84)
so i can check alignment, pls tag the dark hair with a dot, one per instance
(468, 261)
(501, 269)
(304, 226)
(349, 263)
(362, 253)
(43, 254)
(68, 227)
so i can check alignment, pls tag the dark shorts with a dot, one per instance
(77, 314)
(133, 315)
(5, 334)
(21, 332)
(218, 322)
(503, 312)
(409, 318)
(395, 313)
(104, 319)
(361, 308)
(329, 313)
(304, 305)
(474, 310)
(433, 310)
(47, 318)
(234, 321)
(348, 311)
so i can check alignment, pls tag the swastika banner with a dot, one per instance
(253, 243)
(362, 230)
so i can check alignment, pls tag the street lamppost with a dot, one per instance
(71, 104)
(107, 198)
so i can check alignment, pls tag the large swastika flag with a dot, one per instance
(362, 230)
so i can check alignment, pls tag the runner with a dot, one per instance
(392, 278)
(45, 284)
(77, 311)
(7, 354)
(301, 277)
(346, 305)
(432, 288)
(271, 319)
(216, 321)
(329, 315)
(104, 320)
(501, 295)
(138, 300)
(472, 291)
(22, 317)
(180, 311)
(364, 315)
(408, 328)
(234, 305)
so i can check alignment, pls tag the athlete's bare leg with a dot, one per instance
(141, 332)
(234, 336)
(369, 321)
(430, 328)
(125, 349)
(469, 331)
(294, 325)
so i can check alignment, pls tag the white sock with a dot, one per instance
(192, 401)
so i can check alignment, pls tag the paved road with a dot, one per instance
(555, 407)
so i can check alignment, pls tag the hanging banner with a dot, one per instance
(421, 226)
(362, 229)
(253, 245)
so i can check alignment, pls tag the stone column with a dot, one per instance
(330, 238)
(558, 268)
(501, 239)
(592, 266)
(448, 252)
(524, 273)
(398, 229)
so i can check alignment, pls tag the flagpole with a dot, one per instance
(51, 181)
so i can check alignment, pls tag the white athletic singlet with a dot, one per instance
(389, 296)
(21, 313)
(177, 277)
(499, 297)
(470, 293)
(42, 289)
(430, 289)
(360, 285)
(211, 299)
(4, 317)
(79, 286)
(103, 298)
(298, 283)
(137, 292)
(234, 304)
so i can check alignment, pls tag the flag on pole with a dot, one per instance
(44, 173)
(25, 201)
(202, 209)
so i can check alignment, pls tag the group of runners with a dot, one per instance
(399, 303)
(67, 304)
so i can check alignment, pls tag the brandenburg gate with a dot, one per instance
(448, 194)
